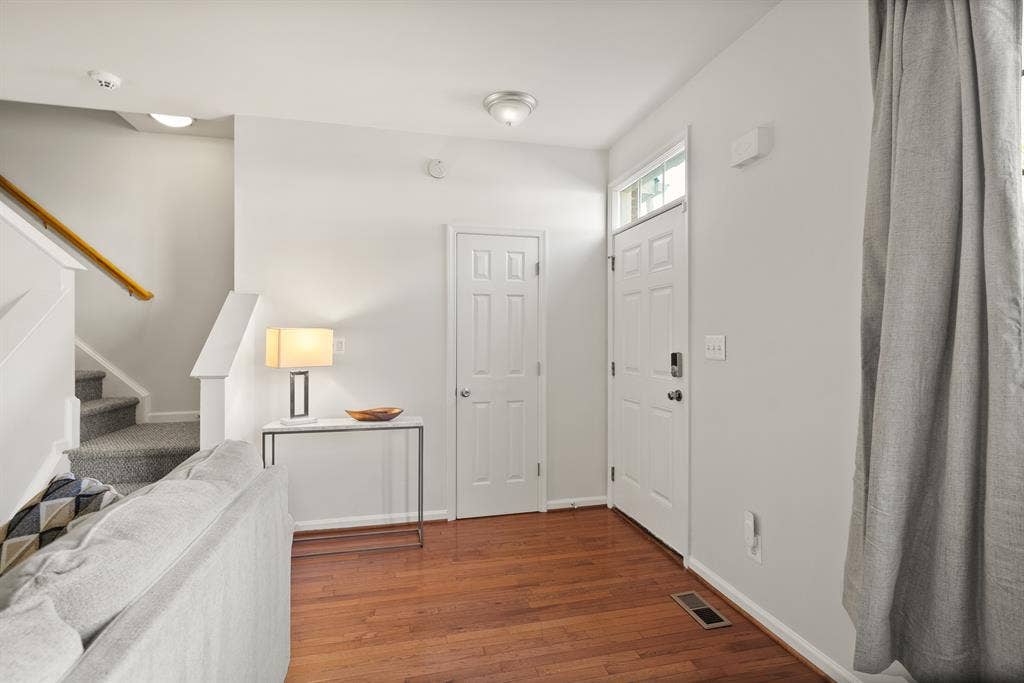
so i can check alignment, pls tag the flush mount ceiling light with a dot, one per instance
(172, 121)
(510, 107)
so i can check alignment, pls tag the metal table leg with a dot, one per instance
(419, 502)
(419, 439)
(273, 449)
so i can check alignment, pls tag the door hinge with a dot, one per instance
(613, 472)
(613, 368)
(536, 268)
(539, 368)
(538, 469)
(611, 260)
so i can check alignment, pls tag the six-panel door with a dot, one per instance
(497, 375)
(651, 423)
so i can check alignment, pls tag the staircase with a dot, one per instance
(116, 450)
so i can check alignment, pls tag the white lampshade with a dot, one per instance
(299, 347)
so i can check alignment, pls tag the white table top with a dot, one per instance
(341, 424)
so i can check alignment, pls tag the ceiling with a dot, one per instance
(596, 66)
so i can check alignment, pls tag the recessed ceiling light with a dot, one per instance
(510, 107)
(172, 121)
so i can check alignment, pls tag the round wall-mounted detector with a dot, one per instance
(105, 79)
(437, 169)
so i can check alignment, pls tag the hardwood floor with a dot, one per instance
(570, 596)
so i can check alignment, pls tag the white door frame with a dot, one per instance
(624, 180)
(453, 231)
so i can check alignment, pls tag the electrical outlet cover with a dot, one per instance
(756, 553)
(753, 536)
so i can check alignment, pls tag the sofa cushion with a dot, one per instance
(36, 644)
(235, 463)
(46, 515)
(108, 559)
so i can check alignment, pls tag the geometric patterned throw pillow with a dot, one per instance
(46, 516)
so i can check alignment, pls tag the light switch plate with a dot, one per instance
(714, 347)
(339, 345)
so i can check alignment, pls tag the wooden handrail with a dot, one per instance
(50, 221)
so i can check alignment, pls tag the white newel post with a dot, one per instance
(212, 416)
(225, 369)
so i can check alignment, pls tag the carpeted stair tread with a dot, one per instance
(150, 438)
(139, 454)
(106, 405)
(84, 375)
(89, 384)
(106, 415)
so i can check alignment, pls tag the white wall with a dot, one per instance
(775, 263)
(159, 207)
(38, 408)
(341, 227)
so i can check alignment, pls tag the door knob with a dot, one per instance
(676, 395)
(465, 393)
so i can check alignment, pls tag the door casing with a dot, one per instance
(452, 232)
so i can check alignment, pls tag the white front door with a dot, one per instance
(497, 375)
(651, 420)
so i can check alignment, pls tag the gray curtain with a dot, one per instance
(935, 562)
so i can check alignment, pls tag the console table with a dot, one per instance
(327, 425)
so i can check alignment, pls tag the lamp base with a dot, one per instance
(293, 421)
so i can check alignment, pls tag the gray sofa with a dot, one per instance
(186, 579)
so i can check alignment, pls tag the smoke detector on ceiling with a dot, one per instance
(105, 79)
(436, 169)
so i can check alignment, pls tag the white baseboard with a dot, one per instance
(829, 666)
(565, 503)
(73, 422)
(174, 416)
(56, 463)
(368, 520)
(117, 382)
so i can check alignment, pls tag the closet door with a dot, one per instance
(497, 375)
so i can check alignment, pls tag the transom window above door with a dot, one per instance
(658, 184)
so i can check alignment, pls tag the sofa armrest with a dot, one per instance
(221, 612)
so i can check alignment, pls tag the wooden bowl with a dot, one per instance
(375, 414)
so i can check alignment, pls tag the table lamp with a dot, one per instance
(299, 347)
